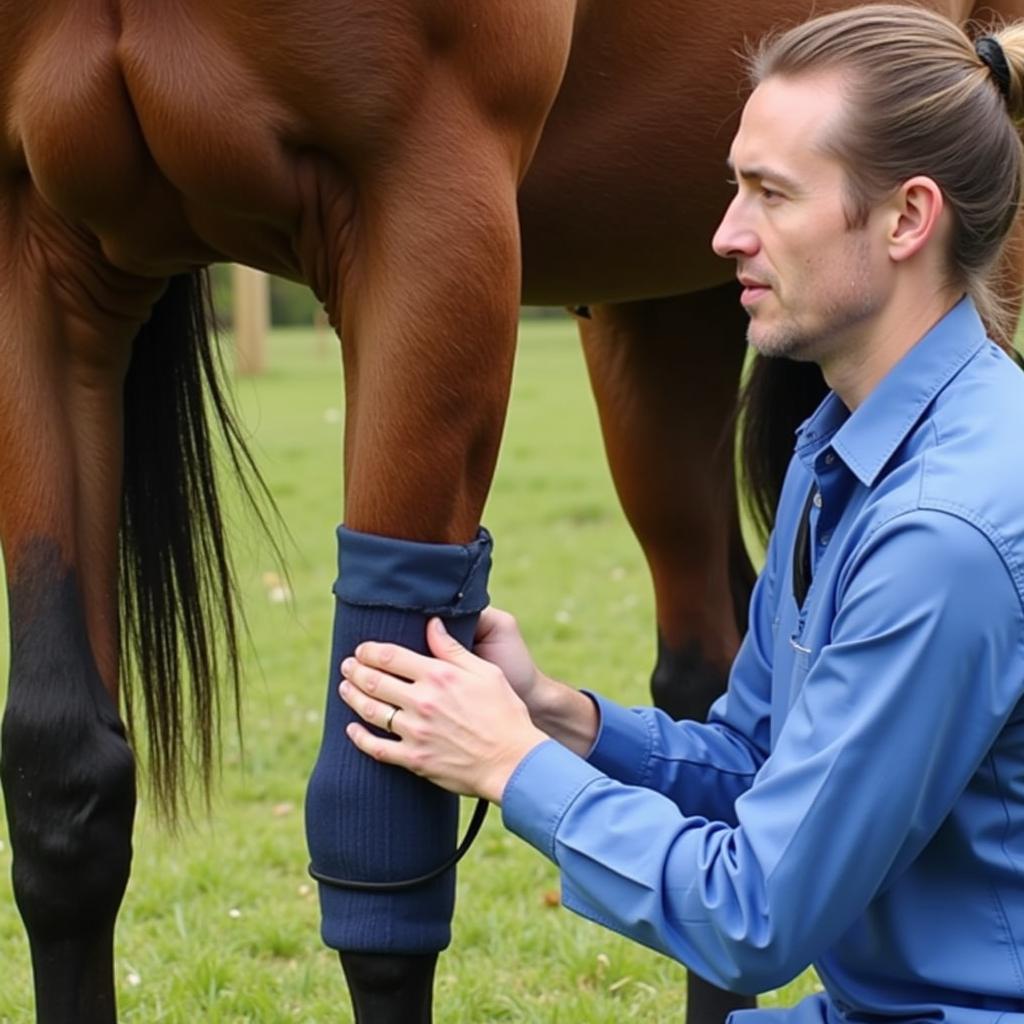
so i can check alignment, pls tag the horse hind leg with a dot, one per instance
(69, 787)
(67, 771)
(665, 375)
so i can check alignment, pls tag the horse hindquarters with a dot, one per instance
(67, 771)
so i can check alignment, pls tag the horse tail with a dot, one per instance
(778, 395)
(180, 616)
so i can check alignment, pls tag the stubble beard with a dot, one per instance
(837, 321)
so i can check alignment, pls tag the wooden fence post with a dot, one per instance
(251, 319)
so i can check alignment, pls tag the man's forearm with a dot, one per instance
(566, 715)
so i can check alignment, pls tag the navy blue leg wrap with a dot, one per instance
(366, 821)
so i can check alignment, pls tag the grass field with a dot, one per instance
(220, 924)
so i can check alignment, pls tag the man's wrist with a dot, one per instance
(565, 714)
(494, 789)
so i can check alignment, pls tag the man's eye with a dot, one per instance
(770, 194)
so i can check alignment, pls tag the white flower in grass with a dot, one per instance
(277, 589)
(234, 913)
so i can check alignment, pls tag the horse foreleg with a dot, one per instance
(428, 333)
(67, 771)
(665, 375)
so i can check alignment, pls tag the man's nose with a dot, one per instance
(734, 237)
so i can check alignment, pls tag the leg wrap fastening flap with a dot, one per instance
(372, 822)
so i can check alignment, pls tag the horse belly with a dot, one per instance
(629, 180)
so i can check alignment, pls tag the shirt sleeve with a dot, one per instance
(895, 714)
(701, 767)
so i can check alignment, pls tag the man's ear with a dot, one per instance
(915, 217)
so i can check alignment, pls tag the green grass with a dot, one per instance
(220, 924)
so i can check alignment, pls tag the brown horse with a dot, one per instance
(376, 152)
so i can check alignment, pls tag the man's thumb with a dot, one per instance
(443, 645)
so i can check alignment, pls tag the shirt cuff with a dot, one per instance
(624, 742)
(543, 787)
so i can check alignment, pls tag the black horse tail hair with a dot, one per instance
(778, 395)
(180, 616)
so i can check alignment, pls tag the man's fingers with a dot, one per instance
(486, 623)
(380, 749)
(400, 661)
(374, 684)
(396, 660)
(375, 712)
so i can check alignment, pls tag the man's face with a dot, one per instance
(811, 284)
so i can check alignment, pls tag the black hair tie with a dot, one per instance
(991, 53)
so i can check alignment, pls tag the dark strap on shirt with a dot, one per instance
(802, 551)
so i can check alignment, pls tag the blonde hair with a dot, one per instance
(921, 102)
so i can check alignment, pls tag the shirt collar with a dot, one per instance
(866, 439)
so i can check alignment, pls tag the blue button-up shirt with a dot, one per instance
(856, 798)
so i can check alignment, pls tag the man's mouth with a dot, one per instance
(753, 289)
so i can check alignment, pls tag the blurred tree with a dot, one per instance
(291, 304)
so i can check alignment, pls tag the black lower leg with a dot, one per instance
(69, 786)
(683, 684)
(708, 1004)
(389, 988)
(74, 977)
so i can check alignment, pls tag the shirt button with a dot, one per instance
(829, 458)
(817, 499)
(824, 539)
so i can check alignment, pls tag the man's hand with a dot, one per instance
(499, 641)
(558, 710)
(458, 721)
